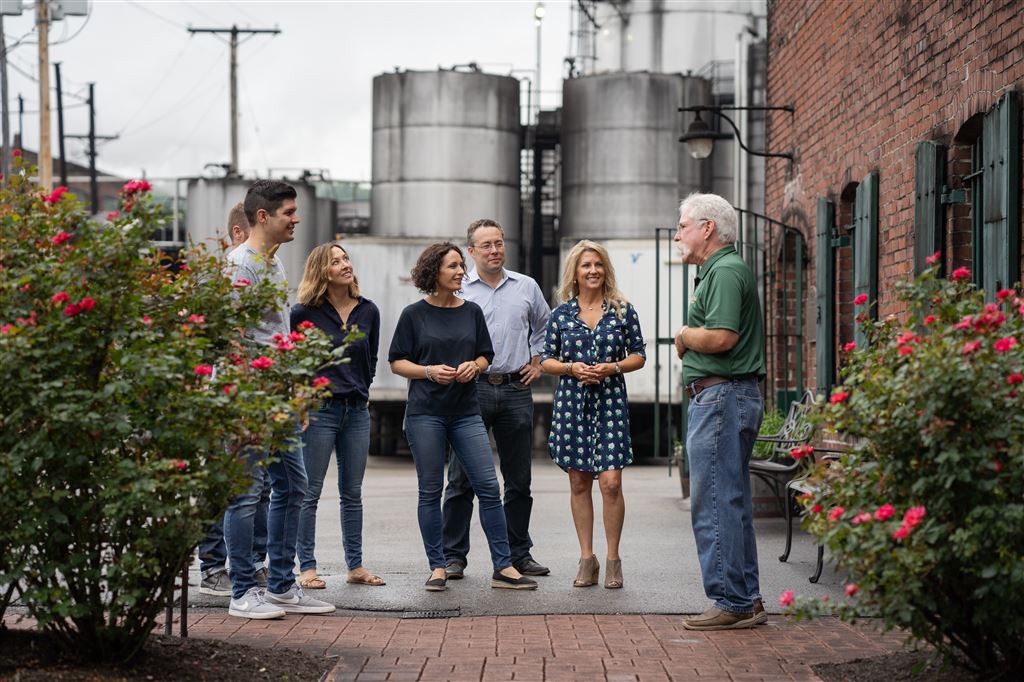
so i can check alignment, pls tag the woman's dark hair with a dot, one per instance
(428, 265)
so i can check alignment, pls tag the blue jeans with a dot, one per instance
(723, 422)
(288, 482)
(213, 552)
(341, 426)
(428, 437)
(508, 411)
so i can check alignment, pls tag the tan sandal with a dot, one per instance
(588, 573)
(309, 580)
(613, 574)
(366, 578)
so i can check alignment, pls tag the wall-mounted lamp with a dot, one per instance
(700, 139)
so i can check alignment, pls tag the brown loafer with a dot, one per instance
(717, 619)
(760, 615)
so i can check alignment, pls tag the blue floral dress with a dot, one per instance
(590, 424)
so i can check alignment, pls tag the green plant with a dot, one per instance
(926, 513)
(770, 424)
(128, 394)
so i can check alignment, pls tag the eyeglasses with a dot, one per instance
(487, 247)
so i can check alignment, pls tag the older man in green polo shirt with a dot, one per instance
(722, 348)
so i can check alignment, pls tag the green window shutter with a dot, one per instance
(930, 162)
(865, 248)
(825, 281)
(1000, 241)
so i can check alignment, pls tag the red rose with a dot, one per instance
(965, 323)
(113, 215)
(801, 451)
(1004, 294)
(913, 516)
(203, 370)
(15, 153)
(929, 319)
(861, 300)
(885, 512)
(851, 589)
(235, 359)
(262, 362)
(6, 329)
(72, 310)
(961, 273)
(56, 194)
(59, 297)
(970, 347)
(1004, 345)
(901, 533)
(306, 324)
(838, 397)
(321, 382)
(228, 388)
(816, 509)
(87, 303)
(905, 350)
(241, 282)
(197, 319)
(934, 258)
(861, 517)
(296, 337)
(181, 464)
(848, 348)
(285, 346)
(146, 320)
(786, 598)
(836, 513)
(60, 238)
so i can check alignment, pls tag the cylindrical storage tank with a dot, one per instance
(445, 153)
(623, 168)
(210, 200)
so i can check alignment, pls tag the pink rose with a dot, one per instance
(15, 153)
(6, 329)
(862, 517)
(905, 350)
(861, 299)
(851, 589)
(970, 347)
(885, 512)
(966, 323)
(901, 533)
(1004, 294)
(961, 273)
(934, 258)
(285, 346)
(1004, 345)
(241, 282)
(836, 513)
(848, 348)
(306, 324)
(321, 382)
(113, 215)
(296, 337)
(87, 303)
(262, 362)
(838, 397)
(197, 319)
(60, 238)
(147, 320)
(786, 598)
(59, 297)
(929, 319)
(914, 516)
(203, 370)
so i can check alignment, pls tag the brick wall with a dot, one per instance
(869, 80)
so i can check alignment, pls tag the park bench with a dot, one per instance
(788, 476)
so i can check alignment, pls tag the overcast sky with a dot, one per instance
(304, 95)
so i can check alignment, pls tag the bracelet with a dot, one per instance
(618, 368)
(427, 373)
(568, 368)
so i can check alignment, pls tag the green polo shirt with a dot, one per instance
(726, 298)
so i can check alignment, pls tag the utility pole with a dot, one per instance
(234, 32)
(5, 142)
(60, 128)
(45, 156)
(92, 137)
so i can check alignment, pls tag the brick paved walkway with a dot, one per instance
(576, 647)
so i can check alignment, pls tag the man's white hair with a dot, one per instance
(699, 206)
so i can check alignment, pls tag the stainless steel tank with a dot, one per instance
(209, 201)
(624, 170)
(445, 152)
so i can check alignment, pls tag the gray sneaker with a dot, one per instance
(216, 584)
(252, 605)
(261, 577)
(296, 601)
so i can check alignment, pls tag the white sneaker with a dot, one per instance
(296, 601)
(252, 605)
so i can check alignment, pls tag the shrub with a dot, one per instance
(128, 394)
(927, 512)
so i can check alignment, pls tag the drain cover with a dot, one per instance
(436, 613)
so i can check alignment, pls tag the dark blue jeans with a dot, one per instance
(341, 426)
(723, 422)
(508, 411)
(429, 437)
(213, 551)
(288, 484)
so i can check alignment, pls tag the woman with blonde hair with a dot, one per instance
(593, 339)
(329, 298)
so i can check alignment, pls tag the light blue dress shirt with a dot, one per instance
(516, 314)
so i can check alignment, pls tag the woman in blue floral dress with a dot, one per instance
(593, 338)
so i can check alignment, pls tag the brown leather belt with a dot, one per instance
(694, 388)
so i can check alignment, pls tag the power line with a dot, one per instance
(158, 85)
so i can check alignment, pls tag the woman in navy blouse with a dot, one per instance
(441, 345)
(329, 298)
(593, 339)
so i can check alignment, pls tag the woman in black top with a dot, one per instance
(329, 298)
(441, 345)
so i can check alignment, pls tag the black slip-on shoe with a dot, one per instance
(455, 570)
(436, 584)
(528, 566)
(501, 581)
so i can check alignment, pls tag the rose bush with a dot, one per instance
(926, 513)
(128, 392)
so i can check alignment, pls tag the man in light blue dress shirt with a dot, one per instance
(516, 315)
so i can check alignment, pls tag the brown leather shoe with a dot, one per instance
(760, 615)
(717, 619)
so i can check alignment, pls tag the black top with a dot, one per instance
(352, 379)
(428, 335)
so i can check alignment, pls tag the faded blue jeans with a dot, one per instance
(213, 551)
(288, 485)
(342, 426)
(429, 437)
(723, 422)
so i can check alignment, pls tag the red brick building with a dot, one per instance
(906, 139)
